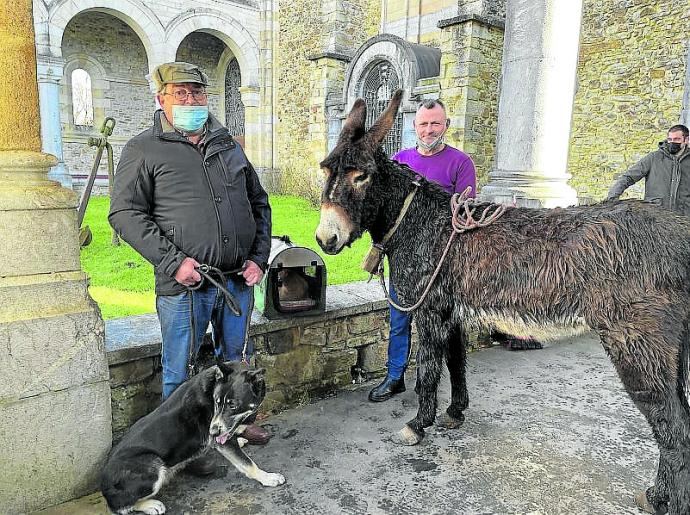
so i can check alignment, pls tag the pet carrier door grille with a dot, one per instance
(378, 87)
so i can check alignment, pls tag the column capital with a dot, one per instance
(50, 69)
(250, 96)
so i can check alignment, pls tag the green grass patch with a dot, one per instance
(121, 281)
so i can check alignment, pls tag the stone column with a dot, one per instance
(535, 107)
(55, 418)
(50, 71)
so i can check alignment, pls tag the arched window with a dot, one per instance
(378, 86)
(234, 108)
(82, 98)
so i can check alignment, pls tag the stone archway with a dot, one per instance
(141, 19)
(244, 48)
(224, 27)
(380, 66)
(115, 58)
(50, 25)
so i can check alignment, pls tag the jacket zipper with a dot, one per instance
(227, 197)
(215, 210)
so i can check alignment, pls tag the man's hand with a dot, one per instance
(186, 274)
(252, 273)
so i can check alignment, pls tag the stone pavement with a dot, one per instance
(547, 432)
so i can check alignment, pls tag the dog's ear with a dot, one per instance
(212, 376)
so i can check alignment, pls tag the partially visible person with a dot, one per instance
(186, 195)
(666, 172)
(455, 172)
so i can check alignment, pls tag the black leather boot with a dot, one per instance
(387, 389)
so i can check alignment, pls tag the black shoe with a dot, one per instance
(387, 389)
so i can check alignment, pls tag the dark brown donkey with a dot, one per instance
(620, 268)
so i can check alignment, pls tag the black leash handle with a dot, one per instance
(207, 272)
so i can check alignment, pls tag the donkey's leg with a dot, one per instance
(671, 490)
(648, 366)
(673, 478)
(433, 337)
(456, 359)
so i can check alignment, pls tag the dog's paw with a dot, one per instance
(271, 479)
(242, 441)
(406, 436)
(150, 507)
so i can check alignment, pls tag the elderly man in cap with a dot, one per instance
(188, 200)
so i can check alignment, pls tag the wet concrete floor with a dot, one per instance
(547, 432)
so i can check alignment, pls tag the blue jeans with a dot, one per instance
(399, 338)
(208, 305)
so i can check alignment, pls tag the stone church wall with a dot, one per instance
(470, 75)
(302, 34)
(631, 76)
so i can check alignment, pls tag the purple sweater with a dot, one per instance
(451, 168)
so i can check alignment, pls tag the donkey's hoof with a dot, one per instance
(643, 503)
(445, 421)
(406, 436)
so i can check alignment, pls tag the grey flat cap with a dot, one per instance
(178, 73)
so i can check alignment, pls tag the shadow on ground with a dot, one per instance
(547, 431)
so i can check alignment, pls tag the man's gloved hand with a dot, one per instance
(252, 273)
(186, 274)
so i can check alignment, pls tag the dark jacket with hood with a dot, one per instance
(667, 179)
(172, 199)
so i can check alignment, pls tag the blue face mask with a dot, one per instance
(189, 118)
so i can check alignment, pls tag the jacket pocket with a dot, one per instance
(174, 234)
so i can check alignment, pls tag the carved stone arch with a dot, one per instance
(411, 61)
(140, 18)
(224, 27)
(397, 64)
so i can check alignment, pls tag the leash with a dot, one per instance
(207, 273)
(461, 222)
(217, 278)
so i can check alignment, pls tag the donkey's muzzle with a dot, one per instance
(330, 246)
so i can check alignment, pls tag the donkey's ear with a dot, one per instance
(378, 132)
(353, 128)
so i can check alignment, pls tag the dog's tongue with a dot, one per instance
(221, 439)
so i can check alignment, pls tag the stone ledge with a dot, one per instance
(491, 21)
(136, 337)
(338, 56)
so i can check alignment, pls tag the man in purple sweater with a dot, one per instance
(454, 171)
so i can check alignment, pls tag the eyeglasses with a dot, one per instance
(180, 95)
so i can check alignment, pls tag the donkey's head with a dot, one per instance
(349, 198)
